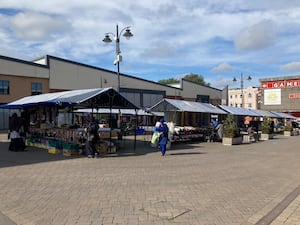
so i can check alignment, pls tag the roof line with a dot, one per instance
(110, 71)
(22, 61)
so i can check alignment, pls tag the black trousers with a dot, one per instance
(16, 144)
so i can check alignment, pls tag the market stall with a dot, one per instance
(51, 121)
(191, 119)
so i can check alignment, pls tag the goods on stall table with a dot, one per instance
(70, 149)
(102, 147)
(187, 133)
(54, 151)
(112, 149)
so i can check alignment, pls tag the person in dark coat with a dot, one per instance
(16, 142)
(93, 138)
(163, 138)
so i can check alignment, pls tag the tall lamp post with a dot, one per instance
(249, 78)
(116, 37)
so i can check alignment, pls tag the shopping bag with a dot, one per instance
(155, 138)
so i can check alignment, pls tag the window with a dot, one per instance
(203, 98)
(36, 88)
(4, 87)
(231, 96)
(249, 105)
(249, 95)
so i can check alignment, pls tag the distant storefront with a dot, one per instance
(281, 94)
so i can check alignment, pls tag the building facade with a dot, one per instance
(245, 98)
(19, 78)
(281, 94)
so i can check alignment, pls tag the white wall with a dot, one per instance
(20, 68)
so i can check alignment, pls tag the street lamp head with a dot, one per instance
(249, 78)
(107, 39)
(234, 79)
(127, 34)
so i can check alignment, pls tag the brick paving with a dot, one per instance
(196, 183)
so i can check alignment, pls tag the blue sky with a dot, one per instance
(214, 38)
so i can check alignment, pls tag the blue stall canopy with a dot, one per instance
(283, 115)
(237, 111)
(166, 105)
(264, 113)
(84, 98)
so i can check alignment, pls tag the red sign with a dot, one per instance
(280, 84)
(292, 83)
(294, 95)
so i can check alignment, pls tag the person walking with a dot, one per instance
(93, 138)
(220, 131)
(163, 138)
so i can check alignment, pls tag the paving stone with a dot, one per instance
(196, 183)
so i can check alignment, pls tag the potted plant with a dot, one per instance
(288, 130)
(231, 135)
(266, 129)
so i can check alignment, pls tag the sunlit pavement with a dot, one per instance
(195, 183)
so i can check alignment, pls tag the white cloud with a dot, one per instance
(256, 37)
(37, 27)
(291, 67)
(189, 35)
(223, 67)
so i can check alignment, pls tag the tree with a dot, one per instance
(169, 81)
(196, 78)
(230, 128)
(190, 77)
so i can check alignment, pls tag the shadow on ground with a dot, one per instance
(127, 149)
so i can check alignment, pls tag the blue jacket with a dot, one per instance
(163, 138)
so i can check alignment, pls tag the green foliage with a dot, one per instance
(196, 78)
(288, 128)
(169, 81)
(266, 126)
(190, 77)
(230, 128)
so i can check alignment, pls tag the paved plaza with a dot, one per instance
(196, 183)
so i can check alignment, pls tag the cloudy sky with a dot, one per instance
(214, 38)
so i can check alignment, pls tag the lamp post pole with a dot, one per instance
(118, 52)
(242, 87)
(117, 36)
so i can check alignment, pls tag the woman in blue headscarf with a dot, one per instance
(163, 138)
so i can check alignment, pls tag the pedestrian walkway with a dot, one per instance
(5, 221)
(195, 183)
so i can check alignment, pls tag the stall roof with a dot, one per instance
(264, 113)
(84, 98)
(115, 111)
(283, 115)
(237, 111)
(185, 106)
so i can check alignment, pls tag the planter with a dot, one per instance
(232, 141)
(266, 137)
(291, 133)
(288, 133)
